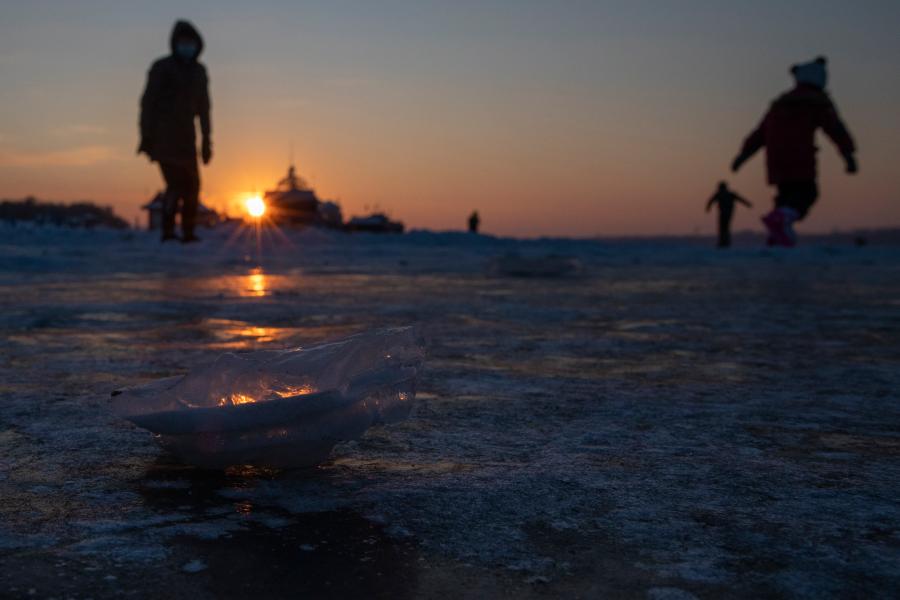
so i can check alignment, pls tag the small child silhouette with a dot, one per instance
(788, 133)
(725, 199)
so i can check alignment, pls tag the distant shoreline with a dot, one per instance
(103, 217)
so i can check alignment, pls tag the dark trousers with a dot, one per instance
(799, 195)
(182, 186)
(725, 215)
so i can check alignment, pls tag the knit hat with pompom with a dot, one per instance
(811, 73)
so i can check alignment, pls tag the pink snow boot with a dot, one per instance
(780, 223)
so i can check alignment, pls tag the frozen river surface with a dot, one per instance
(665, 421)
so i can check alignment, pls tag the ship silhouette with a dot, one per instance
(294, 203)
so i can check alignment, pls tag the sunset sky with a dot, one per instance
(551, 118)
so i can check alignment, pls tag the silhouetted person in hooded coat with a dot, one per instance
(474, 222)
(787, 131)
(177, 93)
(725, 199)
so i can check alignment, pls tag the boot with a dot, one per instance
(780, 223)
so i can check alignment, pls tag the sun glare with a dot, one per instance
(255, 206)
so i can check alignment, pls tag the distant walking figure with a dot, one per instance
(725, 198)
(787, 131)
(177, 92)
(474, 222)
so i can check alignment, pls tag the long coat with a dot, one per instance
(177, 92)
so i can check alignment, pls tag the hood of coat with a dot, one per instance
(184, 29)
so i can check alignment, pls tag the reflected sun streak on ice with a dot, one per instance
(261, 334)
(284, 392)
(236, 399)
(300, 390)
(255, 285)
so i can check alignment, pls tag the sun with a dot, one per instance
(255, 206)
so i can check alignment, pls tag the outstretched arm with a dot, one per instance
(149, 109)
(743, 201)
(835, 129)
(712, 201)
(205, 126)
(753, 142)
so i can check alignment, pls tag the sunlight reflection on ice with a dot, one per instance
(256, 283)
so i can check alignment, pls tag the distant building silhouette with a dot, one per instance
(78, 214)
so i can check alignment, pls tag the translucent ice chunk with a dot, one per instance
(283, 408)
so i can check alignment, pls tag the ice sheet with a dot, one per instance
(679, 416)
(551, 265)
